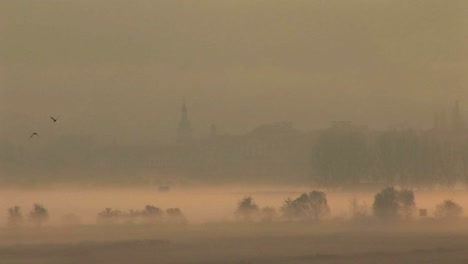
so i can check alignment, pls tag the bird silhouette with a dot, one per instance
(34, 134)
(54, 119)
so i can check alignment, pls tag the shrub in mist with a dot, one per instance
(109, 216)
(312, 206)
(448, 210)
(38, 215)
(391, 204)
(152, 213)
(15, 216)
(175, 215)
(247, 210)
(132, 215)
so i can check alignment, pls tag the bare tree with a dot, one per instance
(15, 217)
(39, 215)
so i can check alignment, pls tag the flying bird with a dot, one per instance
(34, 134)
(54, 119)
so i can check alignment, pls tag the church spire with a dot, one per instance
(184, 131)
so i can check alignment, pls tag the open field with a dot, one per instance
(235, 243)
(212, 235)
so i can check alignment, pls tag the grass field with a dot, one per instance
(236, 243)
(212, 235)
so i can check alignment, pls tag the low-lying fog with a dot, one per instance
(198, 204)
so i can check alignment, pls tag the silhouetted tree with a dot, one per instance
(311, 206)
(448, 210)
(152, 213)
(15, 217)
(38, 215)
(247, 210)
(175, 215)
(391, 204)
(408, 158)
(109, 216)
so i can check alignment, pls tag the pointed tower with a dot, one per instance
(184, 131)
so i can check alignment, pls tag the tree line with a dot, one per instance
(389, 205)
(345, 156)
(150, 214)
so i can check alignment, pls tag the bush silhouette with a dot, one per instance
(391, 204)
(247, 210)
(152, 214)
(312, 206)
(448, 210)
(15, 217)
(153, 211)
(109, 216)
(38, 215)
(174, 215)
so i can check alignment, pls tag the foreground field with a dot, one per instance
(212, 235)
(235, 243)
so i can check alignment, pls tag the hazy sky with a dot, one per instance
(120, 69)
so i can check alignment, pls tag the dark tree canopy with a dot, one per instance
(39, 214)
(391, 204)
(448, 210)
(312, 206)
(15, 216)
(247, 210)
(348, 156)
